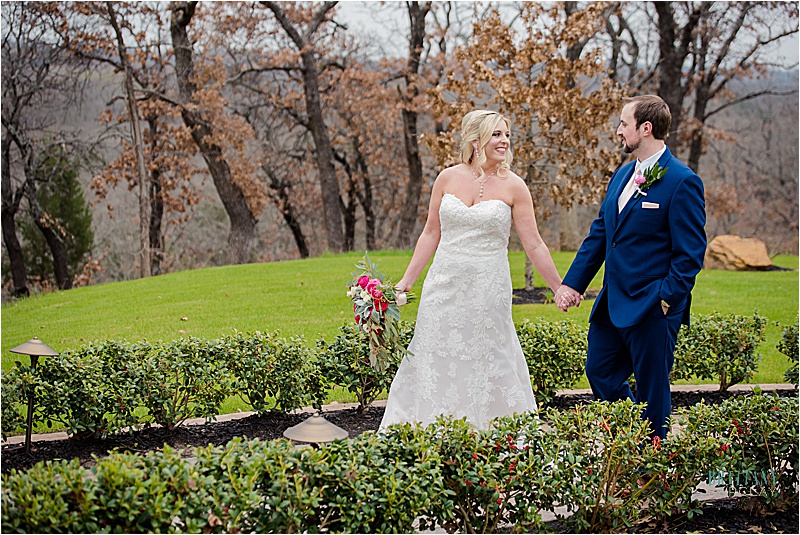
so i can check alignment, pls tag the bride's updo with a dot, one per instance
(478, 126)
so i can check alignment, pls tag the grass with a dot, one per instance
(307, 298)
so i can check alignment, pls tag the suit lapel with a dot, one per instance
(635, 200)
(624, 179)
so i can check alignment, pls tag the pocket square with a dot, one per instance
(651, 205)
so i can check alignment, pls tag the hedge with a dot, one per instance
(107, 387)
(595, 461)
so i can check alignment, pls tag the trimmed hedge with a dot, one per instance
(594, 461)
(720, 347)
(556, 355)
(788, 346)
(105, 387)
(346, 362)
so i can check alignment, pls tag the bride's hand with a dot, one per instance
(400, 293)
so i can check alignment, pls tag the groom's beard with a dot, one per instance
(627, 149)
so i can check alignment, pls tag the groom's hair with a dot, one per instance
(652, 108)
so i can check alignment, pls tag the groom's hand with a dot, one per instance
(566, 297)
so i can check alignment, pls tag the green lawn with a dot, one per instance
(307, 297)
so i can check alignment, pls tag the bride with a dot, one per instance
(466, 359)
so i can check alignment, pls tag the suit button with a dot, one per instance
(613, 244)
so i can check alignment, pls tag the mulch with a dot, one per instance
(730, 515)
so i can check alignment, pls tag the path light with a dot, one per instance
(315, 430)
(34, 348)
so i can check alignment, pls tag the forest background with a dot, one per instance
(269, 131)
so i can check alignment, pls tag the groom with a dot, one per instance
(650, 234)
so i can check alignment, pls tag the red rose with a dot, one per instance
(363, 280)
(371, 284)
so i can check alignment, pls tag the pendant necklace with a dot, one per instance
(482, 182)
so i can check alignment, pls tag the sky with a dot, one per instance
(387, 24)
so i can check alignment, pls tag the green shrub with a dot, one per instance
(346, 362)
(682, 462)
(375, 483)
(493, 477)
(720, 347)
(788, 346)
(92, 391)
(17, 385)
(763, 434)
(597, 452)
(594, 461)
(555, 353)
(257, 487)
(51, 497)
(272, 373)
(144, 493)
(185, 378)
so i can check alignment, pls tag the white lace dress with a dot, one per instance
(466, 358)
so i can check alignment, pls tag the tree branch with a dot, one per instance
(750, 96)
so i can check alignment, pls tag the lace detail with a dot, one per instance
(466, 358)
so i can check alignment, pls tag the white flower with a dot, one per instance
(365, 296)
(401, 299)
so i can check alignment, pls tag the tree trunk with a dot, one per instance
(673, 47)
(569, 237)
(242, 220)
(156, 207)
(408, 218)
(53, 238)
(284, 203)
(8, 214)
(349, 215)
(329, 184)
(138, 145)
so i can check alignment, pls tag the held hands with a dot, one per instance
(565, 297)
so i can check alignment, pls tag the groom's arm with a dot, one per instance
(590, 256)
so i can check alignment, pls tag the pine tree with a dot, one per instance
(66, 211)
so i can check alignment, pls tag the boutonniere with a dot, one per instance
(649, 177)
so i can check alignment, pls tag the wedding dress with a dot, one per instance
(466, 359)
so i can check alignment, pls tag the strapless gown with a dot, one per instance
(466, 359)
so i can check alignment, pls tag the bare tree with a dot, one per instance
(417, 11)
(242, 218)
(701, 48)
(329, 184)
(37, 77)
(138, 143)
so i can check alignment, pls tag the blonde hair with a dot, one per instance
(479, 125)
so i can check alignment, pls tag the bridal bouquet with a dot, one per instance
(376, 307)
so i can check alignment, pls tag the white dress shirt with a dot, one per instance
(631, 187)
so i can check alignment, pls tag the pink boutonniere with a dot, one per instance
(650, 177)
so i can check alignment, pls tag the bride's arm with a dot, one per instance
(428, 240)
(524, 219)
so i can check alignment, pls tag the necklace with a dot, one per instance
(482, 182)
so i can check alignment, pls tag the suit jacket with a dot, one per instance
(652, 250)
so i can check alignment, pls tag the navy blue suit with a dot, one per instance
(652, 250)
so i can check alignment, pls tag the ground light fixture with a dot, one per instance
(315, 430)
(34, 348)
